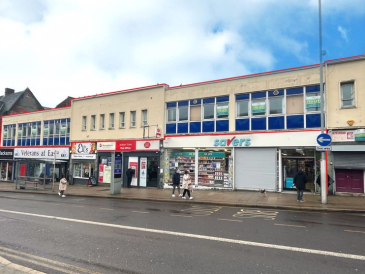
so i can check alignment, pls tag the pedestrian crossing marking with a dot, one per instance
(198, 211)
(254, 213)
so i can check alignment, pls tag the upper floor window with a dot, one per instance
(9, 134)
(84, 120)
(144, 117)
(276, 105)
(56, 132)
(121, 119)
(111, 120)
(222, 110)
(102, 121)
(313, 98)
(208, 111)
(347, 94)
(183, 113)
(93, 118)
(242, 108)
(133, 119)
(258, 107)
(171, 115)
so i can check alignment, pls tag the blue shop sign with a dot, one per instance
(233, 141)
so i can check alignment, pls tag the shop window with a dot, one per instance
(195, 113)
(111, 121)
(183, 113)
(242, 108)
(208, 112)
(313, 102)
(144, 117)
(9, 133)
(133, 119)
(222, 110)
(84, 120)
(93, 118)
(294, 104)
(347, 95)
(83, 170)
(102, 121)
(258, 107)
(171, 115)
(122, 120)
(276, 105)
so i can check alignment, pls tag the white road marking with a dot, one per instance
(196, 236)
(78, 206)
(230, 220)
(104, 208)
(355, 231)
(144, 212)
(290, 225)
(181, 216)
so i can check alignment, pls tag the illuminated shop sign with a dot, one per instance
(232, 142)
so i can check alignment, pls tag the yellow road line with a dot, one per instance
(230, 220)
(355, 231)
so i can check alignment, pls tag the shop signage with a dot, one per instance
(222, 111)
(200, 154)
(83, 148)
(313, 101)
(233, 141)
(148, 145)
(359, 135)
(6, 153)
(258, 107)
(126, 145)
(326, 148)
(143, 172)
(106, 146)
(42, 153)
(342, 136)
(83, 156)
(158, 132)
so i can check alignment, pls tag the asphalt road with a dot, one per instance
(93, 235)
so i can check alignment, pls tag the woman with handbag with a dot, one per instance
(187, 184)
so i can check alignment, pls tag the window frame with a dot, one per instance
(352, 82)
(133, 115)
(248, 108)
(263, 99)
(167, 116)
(111, 120)
(144, 113)
(305, 102)
(122, 119)
(102, 121)
(216, 112)
(84, 123)
(214, 109)
(282, 105)
(93, 122)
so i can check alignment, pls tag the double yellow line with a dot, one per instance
(43, 262)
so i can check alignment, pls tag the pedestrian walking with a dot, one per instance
(299, 181)
(176, 183)
(129, 175)
(62, 187)
(187, 185)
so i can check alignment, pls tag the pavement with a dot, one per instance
(283, 200)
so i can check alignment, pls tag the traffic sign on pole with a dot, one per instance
(326, 148)
(324, 139)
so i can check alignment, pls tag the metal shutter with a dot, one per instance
(353, 160)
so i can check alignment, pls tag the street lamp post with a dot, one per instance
(323, 154)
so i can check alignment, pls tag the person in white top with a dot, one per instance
(187, 184)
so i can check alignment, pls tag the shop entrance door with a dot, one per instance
(349, 180)
(291, 167)
(152, 171)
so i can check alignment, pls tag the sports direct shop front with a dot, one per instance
(241, 161)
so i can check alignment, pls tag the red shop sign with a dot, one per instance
(126, 145)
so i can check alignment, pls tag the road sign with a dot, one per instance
(324, 139)
(327, 148)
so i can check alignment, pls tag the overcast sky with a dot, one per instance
(61, 48)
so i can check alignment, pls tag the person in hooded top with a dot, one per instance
(300, 181)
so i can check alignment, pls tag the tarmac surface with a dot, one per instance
(285, 200)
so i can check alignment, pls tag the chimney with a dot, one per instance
(9, 91)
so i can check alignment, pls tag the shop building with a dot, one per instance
(83, 162)
(6, 164)
(346, 111)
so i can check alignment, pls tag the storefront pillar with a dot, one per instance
(280, 171)
(196, 170)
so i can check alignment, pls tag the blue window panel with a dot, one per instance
(63, 120)
(295, 121)
(242, 96)
(34, 123)
(171, 105)
(28, 143)
(312, 88)
(46, 122)
(38, 142)
(281, 93)
(208, 101)
(67, 140)
(4, 143)
(45, 141)
(5, 127)
(56, 141)
(50, 141)
(48, 170)
(292, 91)
(183, 103)
(258, 95)
(276, 122)
(222, 125)
(24, 142)
(223, 99)
(68, 120)
(195, 127)
(12, 143)
(313, 120)
(19, 142)
(39, 123)
(198, 102)
(171, 128)
(208, 126)
(182, 127)
(62, 141)
(32, 142)
(242, 124)
(8, 143)
(258, 123)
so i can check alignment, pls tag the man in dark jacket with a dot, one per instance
(129, 174)
(176, 182)
(299, 181)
